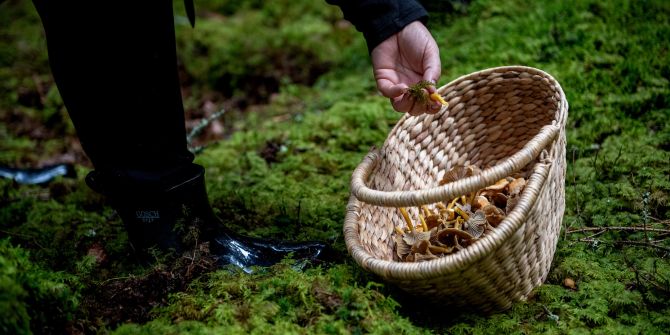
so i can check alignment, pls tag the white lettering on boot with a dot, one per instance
(147, 216)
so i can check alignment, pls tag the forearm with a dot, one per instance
(380, 19)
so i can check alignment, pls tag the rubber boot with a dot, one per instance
(173, 213)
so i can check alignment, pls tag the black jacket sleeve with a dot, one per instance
(380, 19)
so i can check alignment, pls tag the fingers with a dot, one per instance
(404, 59)
(432, 67)
(431, 60)
(406, 104)
(403, 104)
(434, 107)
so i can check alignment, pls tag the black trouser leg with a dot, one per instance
(115, 65)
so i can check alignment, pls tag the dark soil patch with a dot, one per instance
(131, 299)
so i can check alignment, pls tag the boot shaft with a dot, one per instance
(165, 210)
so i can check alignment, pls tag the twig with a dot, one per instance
(199, 128)
(645, 213)
(589, 229)
(25, 236)
(574, 189)
(655, 284)
(203, 124)
(550, 315)
(642, 244)
(190, 266)
(16, 234)
(596, 234)
(658, 241)
(117, 278)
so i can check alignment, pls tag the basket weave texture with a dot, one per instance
(505, 120)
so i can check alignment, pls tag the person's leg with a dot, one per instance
(115, 66)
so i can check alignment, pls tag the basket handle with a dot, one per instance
(487, 177)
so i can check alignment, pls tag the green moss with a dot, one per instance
(251, 53)
(284, 171)
(418, 91)
(60, 222)
(33, 299)
(281, 299)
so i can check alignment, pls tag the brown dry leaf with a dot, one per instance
(97, 251)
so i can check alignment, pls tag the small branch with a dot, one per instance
(656, 284)
(104, 282)
(645, 213)
(644, 244)
(32, 238)
(638, 243)
(596, 234)
(199, 128)
(16, 234)
(598, 229)
(203, 124)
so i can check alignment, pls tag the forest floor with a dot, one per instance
(301, 111)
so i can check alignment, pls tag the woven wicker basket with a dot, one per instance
(505, 120)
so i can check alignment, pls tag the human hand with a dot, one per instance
(404, 59)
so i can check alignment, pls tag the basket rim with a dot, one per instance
(531, 151)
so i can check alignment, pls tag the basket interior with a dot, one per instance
(490, 117)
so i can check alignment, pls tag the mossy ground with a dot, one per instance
(301, 112)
